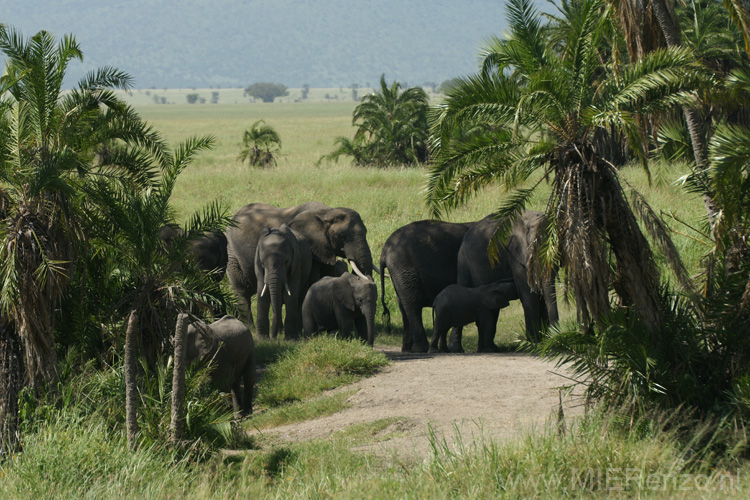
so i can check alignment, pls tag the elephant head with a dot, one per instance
(333, 232)
(498, 295)
(357, 293)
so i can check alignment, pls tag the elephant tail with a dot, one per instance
(386, 312)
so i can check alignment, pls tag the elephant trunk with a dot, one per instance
(358, 254)
(275, 288)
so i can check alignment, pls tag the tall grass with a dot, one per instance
(601, 456)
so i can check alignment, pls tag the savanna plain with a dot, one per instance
(584, 454)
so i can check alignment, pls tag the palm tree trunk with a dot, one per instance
(131, 389)
(178, 378)
(11, 382)
(673, 35)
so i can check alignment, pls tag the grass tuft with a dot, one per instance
(317, 365)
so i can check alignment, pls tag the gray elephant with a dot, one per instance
(330, 232)
(475, 269)
(209, 250)
(338, 303)
(228, 345)
(457, 306)
(282, 266)
(421, 257)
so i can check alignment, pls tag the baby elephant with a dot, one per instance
(457, 306)
(337, 303)
(228, 345)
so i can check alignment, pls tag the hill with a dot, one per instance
(233, 43)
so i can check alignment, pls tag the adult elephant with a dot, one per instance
(209, 250)
(282, 266)
(330, 232)
(475, 269)
(422, 260)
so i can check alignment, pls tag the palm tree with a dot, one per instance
(260, 145)
(538, 104)
(391, 126)
(161, 279)
(53, 142)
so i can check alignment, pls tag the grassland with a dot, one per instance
(73, 456)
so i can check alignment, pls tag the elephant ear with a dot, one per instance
(494, 300)
(315, 231)
(343, 293)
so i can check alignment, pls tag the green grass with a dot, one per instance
(317, 365)
(298, 411)
(598, 457)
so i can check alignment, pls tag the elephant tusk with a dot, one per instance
(358, 272)
(287, 289)
(263, 292)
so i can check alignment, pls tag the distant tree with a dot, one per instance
(260, 145)
(392, 128)
(192, 98)
(430, 85)
(355, 97)
(447, 85)
(305, 91)
(214, 98)
(266, 91)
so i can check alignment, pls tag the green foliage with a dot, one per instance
(266, 91)
(391, 129)
(260, 145)
(53, 145)
(322, 363)
(97, 394)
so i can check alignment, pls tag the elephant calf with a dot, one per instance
(228, 345)
(337, 303)
(457, 306)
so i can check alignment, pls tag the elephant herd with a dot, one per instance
(289, 257)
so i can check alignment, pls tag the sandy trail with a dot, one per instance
(498, 395)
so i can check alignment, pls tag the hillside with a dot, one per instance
(232, 43)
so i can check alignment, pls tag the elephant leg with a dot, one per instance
(533, 305)
(345, 326)
(456, 339)
(248, 381)
(416, 329)
(406, 339)
(237, 398)
(486, 329)
(292, 319)
(243, 290)
(438, 336)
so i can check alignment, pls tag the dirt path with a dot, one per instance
(499, 395)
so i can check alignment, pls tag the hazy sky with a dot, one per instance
(168, 43)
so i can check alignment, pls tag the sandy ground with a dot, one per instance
(500, 396)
